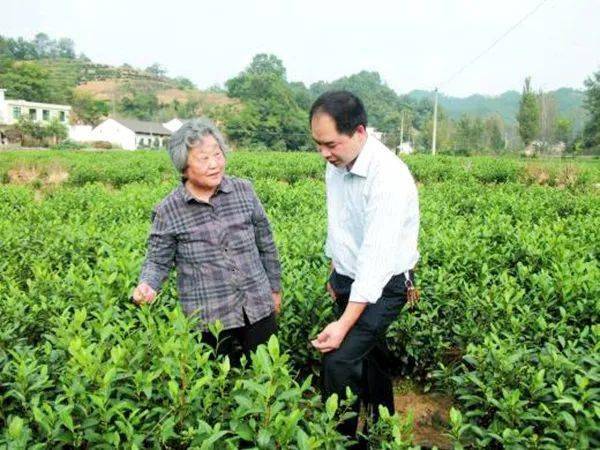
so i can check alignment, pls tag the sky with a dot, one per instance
(412, 44)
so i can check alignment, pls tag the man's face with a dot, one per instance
(338, 149)
(205, 164)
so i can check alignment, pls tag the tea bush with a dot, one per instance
(508, 322)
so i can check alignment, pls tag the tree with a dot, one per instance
(443, 133)
(26, 80)
(157, 70)
(591, 132)
(43, 45)
(30, 128)
(56, 131)
(494, 137)
(184, 83)
(88, 109)
(529, 114)
(379, 99)
(563, 130)
(469, 134)
(301, 95)
(21, 49)
(65, 48)
(271, 116)
(265, 64)
(141, 105)
(548, 113)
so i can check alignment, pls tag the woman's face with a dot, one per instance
(205, 164)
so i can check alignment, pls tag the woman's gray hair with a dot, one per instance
(190, 135)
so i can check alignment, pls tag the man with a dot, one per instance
(373, 225)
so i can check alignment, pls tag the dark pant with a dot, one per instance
(362, 362)
(243, 340)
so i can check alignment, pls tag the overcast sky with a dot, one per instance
(412, 44)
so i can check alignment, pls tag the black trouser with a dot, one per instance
(237, 341)
(362, 362)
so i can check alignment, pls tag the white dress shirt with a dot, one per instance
(372, 220)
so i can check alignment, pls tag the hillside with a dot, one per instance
(115, 89)
(569, 104)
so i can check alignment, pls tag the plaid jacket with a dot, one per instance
(224, 253)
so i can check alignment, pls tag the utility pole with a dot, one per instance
(434, 122)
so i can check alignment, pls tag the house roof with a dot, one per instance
(25, 103)
(140, 126)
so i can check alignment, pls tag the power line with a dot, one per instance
(506, 33)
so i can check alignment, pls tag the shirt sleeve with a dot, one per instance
(265, 244)
(389, 206)
(160, 253)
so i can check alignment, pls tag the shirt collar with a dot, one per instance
(225, 187)
(363, 160)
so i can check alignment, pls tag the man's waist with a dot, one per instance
(342, 283)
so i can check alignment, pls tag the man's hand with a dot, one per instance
(331, 337)
(143, 293)
(277, 301)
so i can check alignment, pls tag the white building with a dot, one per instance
(174, 124)
(12, 110)
(80, 133)
(131, 134)
(405, 148)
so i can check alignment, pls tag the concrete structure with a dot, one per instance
(131, 134)
(80, 133)
(12, 110)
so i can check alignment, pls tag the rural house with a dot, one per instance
(12, 110)
(131, 134)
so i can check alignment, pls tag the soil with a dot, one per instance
(430, 412)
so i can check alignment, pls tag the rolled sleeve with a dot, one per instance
(160, 253)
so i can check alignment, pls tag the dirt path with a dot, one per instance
(430, 414)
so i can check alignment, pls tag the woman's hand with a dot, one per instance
(143, 293)
(277, 301)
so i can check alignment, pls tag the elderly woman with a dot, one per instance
(215, 231)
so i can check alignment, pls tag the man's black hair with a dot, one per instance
(345, 108)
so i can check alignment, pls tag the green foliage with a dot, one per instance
(506, 105)
(25, 81)
(592, 104)
(528, 116)
(55, 130)
(89, 110)
(507, 322)
(141, 105)
(494, 128)
(469, 133)
(270, 116)
(563, 131)
(184, 83)
(40, 47)
(156, 70)
(382, 103)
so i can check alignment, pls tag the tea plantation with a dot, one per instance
(508, 324)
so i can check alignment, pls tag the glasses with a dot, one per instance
(204, 159)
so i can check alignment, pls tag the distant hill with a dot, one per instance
(569, 104)
(112, 84)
